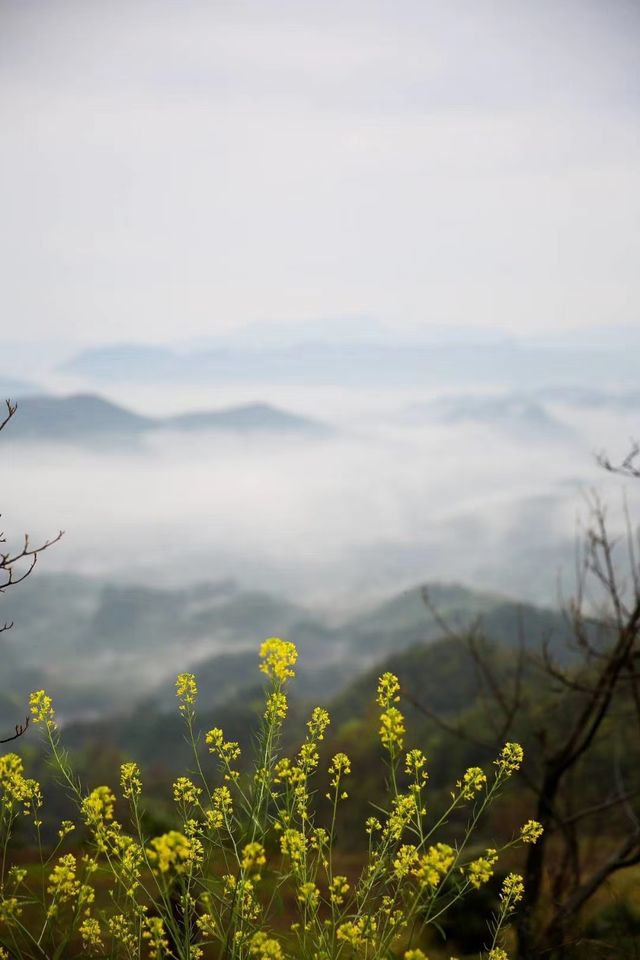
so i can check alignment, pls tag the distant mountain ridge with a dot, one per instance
(112, 646)
(518, 415)
(86, 416)
(361, 361)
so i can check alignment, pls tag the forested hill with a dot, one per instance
(104, 648)
(88, 418)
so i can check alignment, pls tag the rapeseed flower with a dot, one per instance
(309, 895)
(510, 758)
(16, 788)
(512, 890)
(293, 844)
(473, 781)
(278, 656)
(357, 932)
(392, 729)
(122, 931)
(226, 750)
(388, 690)
(434, 864)
(318, 723)
(481, 870)
(264, 947)
(186, 692)
(531, 831)
(154, 933)
(338, 889)
(91, 934)
(253, 858)
(276, 707)
(185, 791)
(41, 706)
(98, 806)
(63, 883)
(405, 808)
(130, 780)
(415, 762)
(174, 853)
(404, 860)
(10, 910)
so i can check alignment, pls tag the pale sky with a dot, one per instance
(175, 170)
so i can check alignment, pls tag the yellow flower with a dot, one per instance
(404, 860)
(98, 806)
(41, 706)
(308, 757)
(154, 933)
(392, 729)
(415, 955)
(131, 857)
(531, 831)
(512, 889)
(130, 780)
(121, 929)
(276, 707)
(186, 691)
(338, 888)
(226, 750)
(278, 656)
(91, 935)
(510, 758)
(264, 947)
(293, 844)
(357, 932)
(405, 808)
(207, 925)
(185, 791)
(309, 895)
(10, 910)
(287, 772)
(434, 864)
(318, 723)
(497, 953)
(16, 876)
(388, 689)
(63, 883)
(415, 761)
(174, 853)
(481, 870)
(340, 767)
(472, 783)
(253, 858)
(16, 787)
(221, 810)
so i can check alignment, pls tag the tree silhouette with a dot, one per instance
(17, 564)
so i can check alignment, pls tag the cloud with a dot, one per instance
(371, 510)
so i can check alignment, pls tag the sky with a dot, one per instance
(179, 170)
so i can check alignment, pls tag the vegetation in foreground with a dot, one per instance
(252, 868)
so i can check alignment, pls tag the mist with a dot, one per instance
(395, 494)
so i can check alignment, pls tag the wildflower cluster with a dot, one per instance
(245, 840)
(186, 692)
(392, 728)
(278, 658)
(130, 781)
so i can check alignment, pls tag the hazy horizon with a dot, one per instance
(241, 178)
